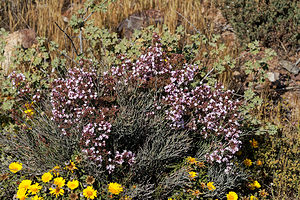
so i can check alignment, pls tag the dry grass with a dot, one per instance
(18, 14)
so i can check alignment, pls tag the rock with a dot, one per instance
(273, 76)
(69, 9)
(289, 66)
(26, 38)
(139, 20)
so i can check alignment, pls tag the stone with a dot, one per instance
(139, 20)
(26, 38)
(289, 66)
(273, 76)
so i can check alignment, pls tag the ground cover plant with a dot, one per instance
(150, 117)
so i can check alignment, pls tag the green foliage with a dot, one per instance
(275, 23)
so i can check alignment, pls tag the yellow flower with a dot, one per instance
(73, 184)
(210, 186)
(191, 160)
(47, 177)
(25, 184)
(57, 191)
(89, 192)
(256, 184)
(15, 167)
(36, 197)
(59, 181)
(196, 193)
(55, 170)
(126, 198)
(251, 186)
(232, 196)
(21, 194)
(200, 164)
(71, 166)
(248, 162)
(253, 198)
(29, 112)
(192, 175)
(115, 188)
(263, 193)
(254, 143)
(258, 163)
(35, 188)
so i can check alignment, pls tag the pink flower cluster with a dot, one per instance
(209, 111)
(23, 87)
(19, 83)
(75, 104)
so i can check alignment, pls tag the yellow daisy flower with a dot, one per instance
(232, 196)
(192, 175)
(36, 197)
(15, 167)
(247, 162)
(210, 186)
(73, 184)
(191, 160)
(35, 188)
(57, 191)
(59, 181)
(253, 198)
(254, 143)
(115, 188)
(71, 166)
(89, 192)
(25, 184)
(47, 177)
(21, 193)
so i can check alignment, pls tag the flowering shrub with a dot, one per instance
(76, 104)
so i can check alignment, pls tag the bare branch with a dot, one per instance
(68, 38)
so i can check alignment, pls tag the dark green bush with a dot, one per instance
(274, 22)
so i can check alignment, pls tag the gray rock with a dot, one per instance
(273, 76)
(289, 66)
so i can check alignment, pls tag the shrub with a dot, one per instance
(275, 23)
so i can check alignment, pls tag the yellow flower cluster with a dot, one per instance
(193, 161)
(254, 185)
(26, 187)
(27, 190)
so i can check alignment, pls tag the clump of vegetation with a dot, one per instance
(275, 23)
(151, 117)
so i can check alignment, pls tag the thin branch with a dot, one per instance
(80, 41)
(188, 22)
(207, 75)
(68, 38)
